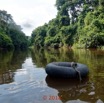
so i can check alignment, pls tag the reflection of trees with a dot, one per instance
(42, 57)
(94, 59)
(99, 85)
(73, 89)
(89, 56)
(5, 60)
(9, 62)
(6, 77)
(69, 89)
(18, 59)
(38, 57)
(62, 54)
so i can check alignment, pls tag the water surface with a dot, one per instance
(23, 78)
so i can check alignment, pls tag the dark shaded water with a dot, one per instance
(23, 78)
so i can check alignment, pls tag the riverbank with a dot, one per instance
(67, 47)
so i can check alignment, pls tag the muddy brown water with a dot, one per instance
(23, 78)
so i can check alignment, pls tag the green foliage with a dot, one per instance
(19, 39)
(101, 2)
(38, 35)
(52, 31)
(11, 35)
(78, 22)
(5, 41)
(92, 33)
(64, 21)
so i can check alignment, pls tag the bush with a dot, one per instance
(5, 41)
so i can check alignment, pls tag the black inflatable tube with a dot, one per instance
(65, 70)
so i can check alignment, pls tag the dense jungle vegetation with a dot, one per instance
(11, 35)
(79, 23)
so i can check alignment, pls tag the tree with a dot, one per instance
(5, 42)
(38, 35)
(78, 22)
(11, 33)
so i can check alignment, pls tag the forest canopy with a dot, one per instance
(79, 23)
(11, 35)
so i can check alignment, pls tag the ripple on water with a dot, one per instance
(19, 87)
(24, 79)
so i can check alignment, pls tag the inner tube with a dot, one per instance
(65, 70)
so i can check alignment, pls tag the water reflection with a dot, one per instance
(41, 57)
(23, 75)
(6, 77)
(68, 88)
(94, 59)
(9, 62)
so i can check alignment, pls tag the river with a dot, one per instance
(23, 78)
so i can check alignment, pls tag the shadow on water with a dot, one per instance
(60, 83)
(68, 89)
(10, 61)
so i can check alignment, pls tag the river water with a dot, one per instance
(23, 78)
